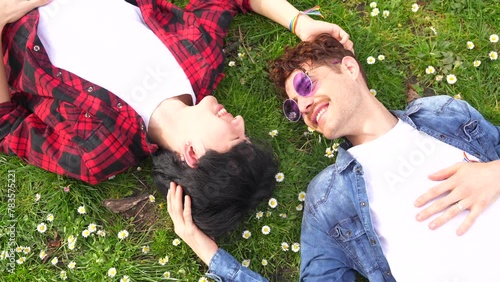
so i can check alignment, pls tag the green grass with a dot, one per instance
(407, 41)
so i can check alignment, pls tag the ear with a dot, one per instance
(352, 66)
(190, 155)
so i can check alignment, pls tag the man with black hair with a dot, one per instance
(91, 87)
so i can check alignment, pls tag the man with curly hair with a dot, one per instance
(402, 202)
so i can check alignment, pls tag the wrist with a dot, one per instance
(301, 29)
(207, 251)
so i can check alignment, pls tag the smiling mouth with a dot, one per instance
(221, 111)
(318, 113)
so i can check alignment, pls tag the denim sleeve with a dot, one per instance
(224, 267)
(322, 259)
(491, 143)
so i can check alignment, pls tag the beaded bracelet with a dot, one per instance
(314, 11)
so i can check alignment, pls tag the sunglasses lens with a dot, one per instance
(302, 84)
(291, 110)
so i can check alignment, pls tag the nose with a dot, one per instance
(305, 104)
(209, 99)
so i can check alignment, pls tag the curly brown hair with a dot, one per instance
(323, 50)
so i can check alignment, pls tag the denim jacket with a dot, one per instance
(338, 237)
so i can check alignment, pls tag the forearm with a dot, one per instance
(279, 11)
(4, 87)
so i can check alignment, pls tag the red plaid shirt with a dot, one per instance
(65, 124)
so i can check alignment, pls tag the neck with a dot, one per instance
(375, 121)
(165, 124)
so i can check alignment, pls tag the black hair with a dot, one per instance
(224, 187)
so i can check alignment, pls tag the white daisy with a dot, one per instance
(122, 234)
(415, 7)
(451, 79)
(163, 261)
(27, 250)
(266, 230)
(63, 275)
(42, 254)
(273, 203)
(430, 70)
(493, 55)
(92, 227)
(85, 233)
(50, 217)
(246, 234)
(54, 261)
(259, 214)
(302, 196)
(4, 255)
(493, 38)
(82, 210)
(42, 227)
(285, 247)
(273, 133)
(280, 176)
(112, 272)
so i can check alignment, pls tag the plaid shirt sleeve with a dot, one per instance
(195, 36)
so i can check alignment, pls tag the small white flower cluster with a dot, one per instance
(376, 11)
(330, 151)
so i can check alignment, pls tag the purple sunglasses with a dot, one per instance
(302, 84)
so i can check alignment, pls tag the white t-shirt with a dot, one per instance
(396, 166)
(107, 43)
